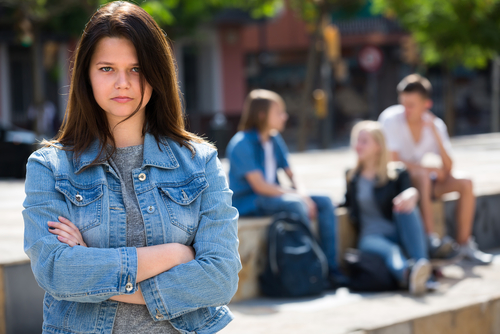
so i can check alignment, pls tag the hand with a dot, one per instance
(406, 201)
(439, 173)
(311, 207)
(66, 232)
(428, 119)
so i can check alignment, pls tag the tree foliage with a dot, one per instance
(452, 32)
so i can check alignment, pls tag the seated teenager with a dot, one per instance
(255, 154)
(382, 204)
(412, 131)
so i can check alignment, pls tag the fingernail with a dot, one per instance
(62, 218)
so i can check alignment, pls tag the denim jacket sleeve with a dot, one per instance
(77, 274)
(212, 278)
(282, 152)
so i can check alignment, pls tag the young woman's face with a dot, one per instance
(366, 147)
(276, 117)
(115, 79)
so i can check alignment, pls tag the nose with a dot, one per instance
(122, 81)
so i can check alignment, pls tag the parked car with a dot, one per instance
(16, 145)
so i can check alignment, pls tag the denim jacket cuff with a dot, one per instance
(128, 276)
(157, 309)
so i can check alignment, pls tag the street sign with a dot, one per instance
(370, 58)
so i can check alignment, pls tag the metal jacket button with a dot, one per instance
(151, 209)
(159, 316)
(129, 287)
(79, 198)
(142, 177)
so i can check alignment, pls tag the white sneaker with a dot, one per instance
(472, 253)
(419, 276)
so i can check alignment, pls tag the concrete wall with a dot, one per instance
(486, 221)
(23, 300)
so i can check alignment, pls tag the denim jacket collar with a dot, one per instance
(156, 155)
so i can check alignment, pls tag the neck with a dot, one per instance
(369, 168)
(264, 135)
(415, 120)
(128, 133)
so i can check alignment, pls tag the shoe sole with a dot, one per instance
(419, 276)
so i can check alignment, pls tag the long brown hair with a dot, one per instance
(85, 120)
(256, 109)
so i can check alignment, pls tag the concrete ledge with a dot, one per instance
(20, 300)
(468, 301)
(478, 318)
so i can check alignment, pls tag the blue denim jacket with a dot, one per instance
(183, 200)
(245, 154)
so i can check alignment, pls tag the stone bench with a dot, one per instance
(252, 233)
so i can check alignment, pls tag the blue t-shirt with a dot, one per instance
(245, 154)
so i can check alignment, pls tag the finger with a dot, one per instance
(63, 227)
(68, 222)
(67, 241)
(65, 235)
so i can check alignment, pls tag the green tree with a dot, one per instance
(449, 33)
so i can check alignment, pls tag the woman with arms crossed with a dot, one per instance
(123, 177)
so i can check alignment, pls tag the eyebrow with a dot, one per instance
(107, 63)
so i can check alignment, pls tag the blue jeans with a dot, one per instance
(408, 241)
(326, 219)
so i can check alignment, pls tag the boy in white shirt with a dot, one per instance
(412, 131)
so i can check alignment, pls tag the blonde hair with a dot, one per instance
(385, 170)
(257, 103)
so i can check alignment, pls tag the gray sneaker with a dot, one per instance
(443, 251)
(419, 276)
(471, 252)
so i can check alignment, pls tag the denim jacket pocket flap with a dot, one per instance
(79, 196)
(186, 193)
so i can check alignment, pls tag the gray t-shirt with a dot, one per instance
(132, 318)
(371, 218)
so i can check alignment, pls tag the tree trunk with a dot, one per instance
(495, 95)
(449, 107)
(305, 105)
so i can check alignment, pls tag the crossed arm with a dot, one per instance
(151, 261)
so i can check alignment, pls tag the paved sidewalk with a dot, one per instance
(343, 313)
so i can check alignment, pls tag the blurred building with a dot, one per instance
(17, 80)
(223, 60)
(236, 54)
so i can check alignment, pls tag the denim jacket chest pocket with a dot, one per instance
(84, 203)
(182, 201)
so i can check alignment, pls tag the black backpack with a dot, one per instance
(296, 265)
(368, 272)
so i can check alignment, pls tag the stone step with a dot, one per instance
(467, 302)
(20, 299)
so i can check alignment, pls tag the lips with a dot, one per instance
(122, 99)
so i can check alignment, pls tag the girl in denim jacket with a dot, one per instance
(128, 217)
